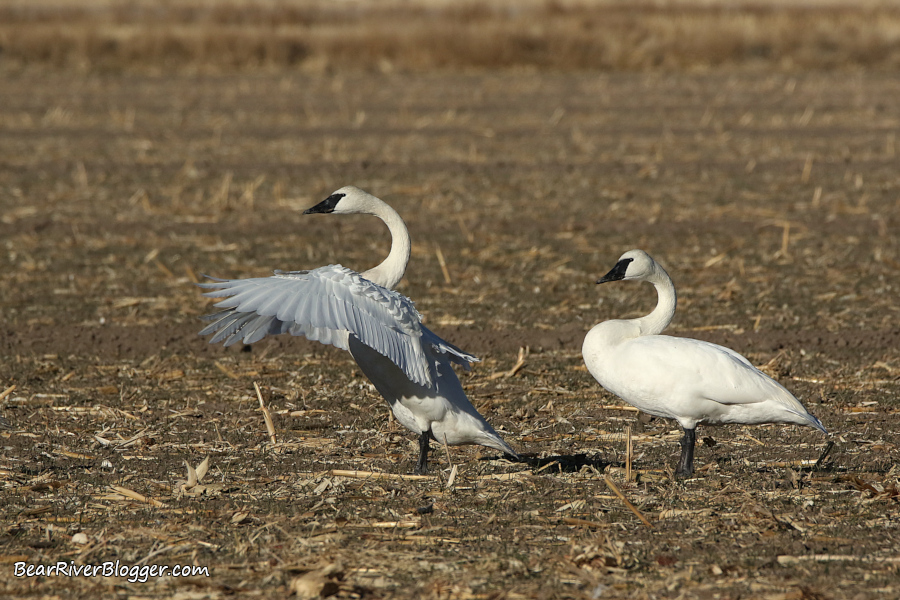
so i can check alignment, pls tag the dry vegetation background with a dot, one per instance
(423, 35)
(750, 147)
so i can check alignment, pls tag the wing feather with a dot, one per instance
(257, 329)
(226, 326)
(325, 305)
(448, 350)
(249, 296)
(288, 309)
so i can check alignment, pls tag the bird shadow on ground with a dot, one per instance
(565, 463)
(826, 463)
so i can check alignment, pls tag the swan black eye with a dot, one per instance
(325, 206)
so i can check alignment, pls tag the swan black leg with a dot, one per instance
(686, 462)
(424, 444)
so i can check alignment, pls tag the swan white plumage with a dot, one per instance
(688, 380)
(360, 312)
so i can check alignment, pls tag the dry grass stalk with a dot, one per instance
(407, 524)
(520, 362)
(270, 427)
(629, 453)
(164, 269)
(615, 489)
(7, 391)
(202, 468)
(376, 475)
(753, 439)
(192, 486)
(133, 439)
(582, 522)
(136, 496)
(549, 465)
(618, 407)
(505, 476)
(228, 372)
(604, 437)
(77, 455)
(443, 263)
(192, 478)
(191, 274)
(807, 169)
(635, 437)
(678, 512)
(642, 474)
(786, 559)
(447, 452)
(241, 516)
(248, 198)
(785, 238)
(464, 229)
(452, 479)
(786, 463)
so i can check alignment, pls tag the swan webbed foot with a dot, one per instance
(424, 446)
(686, 462)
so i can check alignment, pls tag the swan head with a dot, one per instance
(634, 264)
(346, 201)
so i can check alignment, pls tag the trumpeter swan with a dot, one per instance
(360, 312)
(688, 380)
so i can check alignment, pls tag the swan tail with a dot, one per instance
(805, 418)
(792, 405)
(814, 422)
(492, 440)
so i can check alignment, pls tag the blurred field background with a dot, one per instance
(438, 34)
(751, 147)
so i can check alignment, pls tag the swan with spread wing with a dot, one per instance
(361, 313)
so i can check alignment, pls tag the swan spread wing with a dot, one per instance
(322, 305)
(447, 350)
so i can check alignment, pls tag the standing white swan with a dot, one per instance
(688, 380)
(408, 364)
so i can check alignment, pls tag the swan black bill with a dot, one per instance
(325, 206)
(617, 273)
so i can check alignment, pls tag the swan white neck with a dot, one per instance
(661, 316)
(391, 270)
